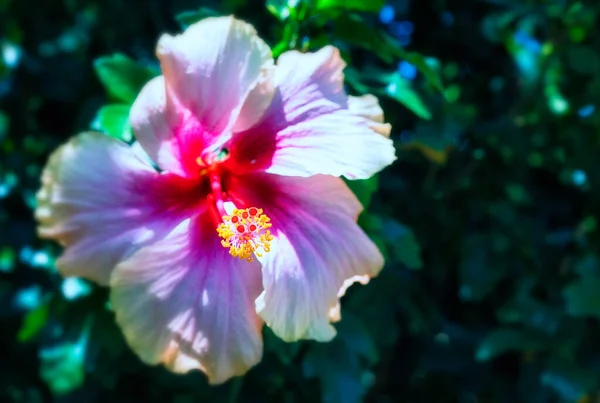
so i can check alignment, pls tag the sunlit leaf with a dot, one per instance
(420, 62)
(354, 30)
(281, 8)
(62, 366)
(73, 288)
(7, 259)
(364, 189)
(114, 120)
(401, 90)
(34, 321)
(122, 77)
(350, 5)
(291, 11)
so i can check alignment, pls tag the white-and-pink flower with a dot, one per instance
(246, 222)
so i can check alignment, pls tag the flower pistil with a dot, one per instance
(245, 232)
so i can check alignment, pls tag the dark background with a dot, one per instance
(488, 219)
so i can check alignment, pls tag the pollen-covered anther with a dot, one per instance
(246, 233)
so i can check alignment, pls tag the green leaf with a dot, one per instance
(187, 18)
(105, 337)
(377, 305)
(122, 77)
(524, 309)
(404, 245)
(292, 12)
(350, 5)
(502, 340)
(114, 120)
(62, 367)
(7, 259)
(582, 297)
(353, 331)
(364, 189)
(583, 59)
(437, 139)
(34, 321)
(354, 30)
(517, 193)
(401, 90)
(286, 352)
(396, 240)
(588, 265)
(281, 9)
(423, 66)
(478, 272)
(354, 79)
(4, 124)
(339, 370)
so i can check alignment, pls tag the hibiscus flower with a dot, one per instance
(245, 221)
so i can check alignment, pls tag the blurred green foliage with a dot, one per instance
(488, 220)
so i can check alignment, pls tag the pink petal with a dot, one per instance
(309, 128)
(258, 100)
(317, 247)
(187, 303)
(368, 107)
(102, 203)
(213, 66)
(154, 124)
(210, 70)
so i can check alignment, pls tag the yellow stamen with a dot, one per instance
(245, 233)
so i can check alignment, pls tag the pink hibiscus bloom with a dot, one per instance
(247, 222)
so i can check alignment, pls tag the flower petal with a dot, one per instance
(99, 200)
(187, 303)
(317, 247)
(258, 100)
(368, 107)
(154, 124)
(217, 74)
(309, 128)
(212, 67)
